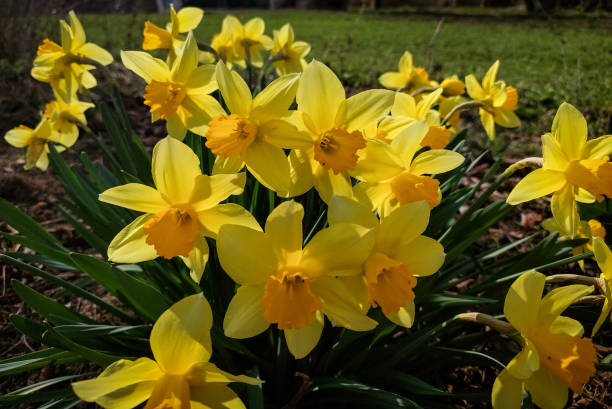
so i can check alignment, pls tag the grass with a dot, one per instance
(548, 61)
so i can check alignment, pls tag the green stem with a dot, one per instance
(460, 107)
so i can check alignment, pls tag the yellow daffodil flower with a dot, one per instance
(64, 113)
(585, 230)
(171, 38)
(452, 86)
(55, 62)
(182, 209)
(179, 95)
(499, 101)
(573, 169)
(603, 257)
(400, 254)
(36, 140)
(447, 105)
(336, 126)
(554, 357)
(255, 133)
(223, 43)
(407, 78)
(180, 376)
(293, 287)
(406, 110)
(249, 39)
(392, 176)
(287, 54)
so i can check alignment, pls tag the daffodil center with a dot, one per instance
(172, 231)
(593, 175)
(337, 149)
(597, 229)
(389, 282)
(571, 359)
(155, 37)
(164, 97)
(409, 188)
(288, 300)
(170, 392)
(511, 98)
(48, 47)
(437, 137)
(229, 135)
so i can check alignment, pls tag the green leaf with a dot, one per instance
(448, 301)
(38, 359)
(33, 393)
(28, 327)
(54, 338)
(48, 307)
(412, 384)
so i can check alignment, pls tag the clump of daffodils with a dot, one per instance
(375, 162)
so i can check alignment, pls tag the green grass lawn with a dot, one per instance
(548, 61)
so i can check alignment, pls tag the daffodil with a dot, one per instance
(452, 86)
(287, 54)
(447, 105)
(180, 94)
(224, 45)
(256, 131)
(407, 78)
(36, 141)
(603, 257)
(179, 376)
(179, 212)
(55, 62)
(400, 254)
(498, 101)
(249, 39)
(336, 127)
(585, 230)
(293, 287)
(64, 113)
(406, 110)
(574, 169)
(172, 37)
(392, 174)
(554, 356)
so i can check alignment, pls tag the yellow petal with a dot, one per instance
(208, 191)
(474, 89)
(130, 244)
(408, 141)
(404, 316)
(96, 53)
(175, 168)
(300, 173)
(603, 256)
(134, 196)
(214, 396)
(405, 63)
(231, 164)
(181, 335)
(244, 317)
(402, 226)
(303, 340)
(201, 81)
(78, 34)
(269, 165)
(393, 80)
(564, 210)
(488, 123)
(506, 118)
(546, 390)
(212, 219)
(366, 108)
(507, 391)
(558, 299)
(344, 210)
(145, 66)
(186, 61)
(523, 299)
(207, 373)
(436, 161)
(554, 157)
(235, 91)
(274, 100)
(570, 129)
(337, 248)
(378, 162)
(605, 312)
(427, 102)
(328, 183)
(599, 147)
(423, 255)
(372, 194)
(122, 384)
(197, 259)
(489, 79)
(189, 18)
(19, 136)
(284, 227)
(284, 135)
(404, 105)
(538, 183)
(340, 305)
(176, 128)
(319, 95)
(246, 255)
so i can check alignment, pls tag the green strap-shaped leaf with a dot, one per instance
(38, 359)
